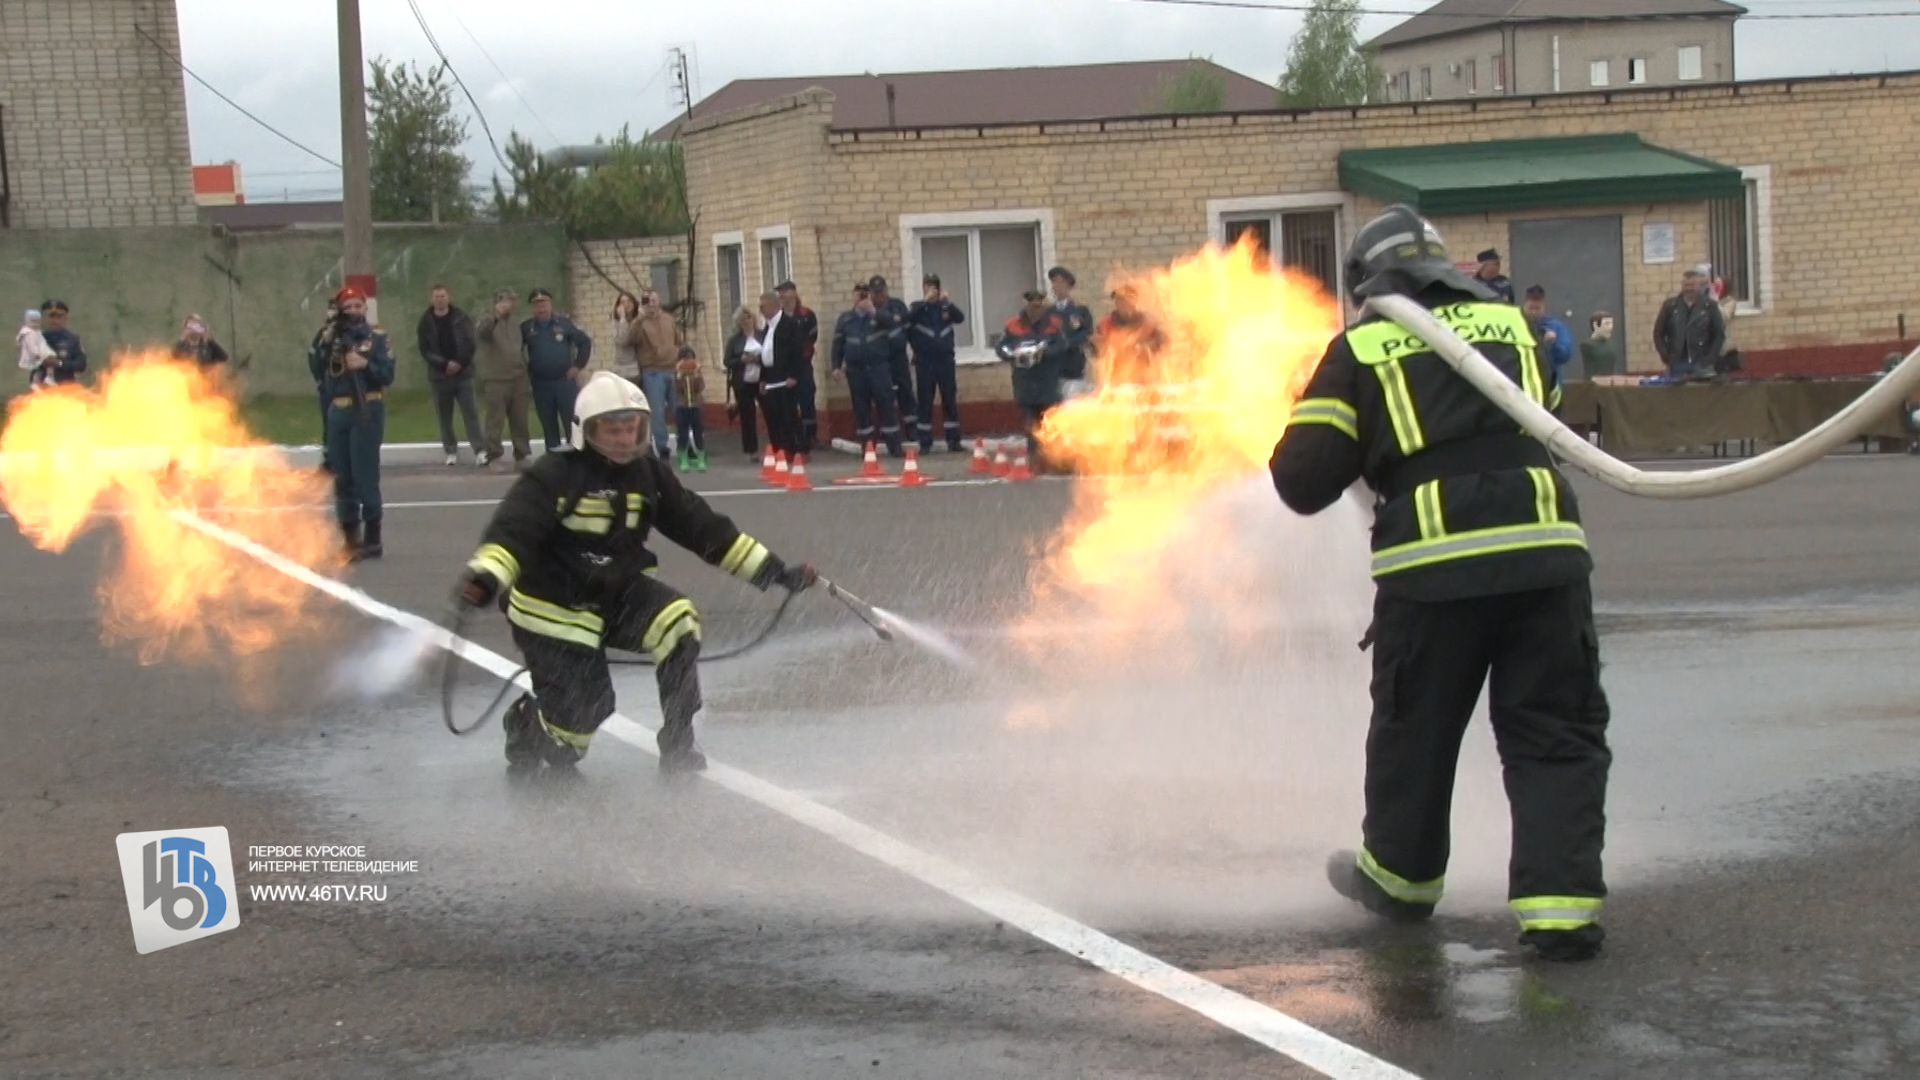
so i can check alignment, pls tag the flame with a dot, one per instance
(1191, 400)
(156, 442)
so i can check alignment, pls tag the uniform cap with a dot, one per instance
(1489, 255)
(877, 283)
(54, 305)
(349, 293)
(1063, 274)
(1033, 294)
(540, 294)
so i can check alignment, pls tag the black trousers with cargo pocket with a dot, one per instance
(1538, 654)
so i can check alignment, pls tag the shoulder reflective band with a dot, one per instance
(1476, 542)
(744, 559)
(551, 620)
(1332, 412)
(1546, 495)
(1412, 892)
(496, 561)
(1556, 912)
(1426, 506)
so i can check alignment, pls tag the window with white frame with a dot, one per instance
(1735, 244)
(1636, 70)
(775, 266)
(731, 269)
(1597, 73)
(984, 270)
(1308, 240)
(1689, 63)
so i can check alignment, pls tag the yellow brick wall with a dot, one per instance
(627, 262)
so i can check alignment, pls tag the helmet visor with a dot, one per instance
(620, 436)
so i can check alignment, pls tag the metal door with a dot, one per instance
(1577, 260)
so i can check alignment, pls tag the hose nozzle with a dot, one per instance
(860, 608)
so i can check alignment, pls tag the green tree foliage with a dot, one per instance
(1199, 88)
(634, 191)
(1326, 65)
(415, 137)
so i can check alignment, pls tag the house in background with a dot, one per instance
(1506, 48)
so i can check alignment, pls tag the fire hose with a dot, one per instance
(456, 617)
(1894, 388)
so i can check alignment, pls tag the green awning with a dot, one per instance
(1534, 174)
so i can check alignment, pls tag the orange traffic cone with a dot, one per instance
(1000, 460)
(767, 468)
(910, 475)
(1020, 470)
(797, 478)
(871, 465)
(780, 471)
(979, 466)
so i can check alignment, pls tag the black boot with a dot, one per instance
(523, 735)
(1344, 874)
(679, 679)
(350, 532)
(1565, 946)
(370, 548)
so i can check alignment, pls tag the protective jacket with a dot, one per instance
(892, 316)
(570, 538)
(1466, 503)
(1038, 384)
(932, 323)
(326, 360)
(860, 340)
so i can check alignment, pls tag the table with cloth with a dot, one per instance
(1633, 417)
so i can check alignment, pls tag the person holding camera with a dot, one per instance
(934, 367)
(862, 355)
(353, 364)
(196, 343)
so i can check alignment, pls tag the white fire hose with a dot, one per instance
(1885, 397)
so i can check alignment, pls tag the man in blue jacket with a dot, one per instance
(863, 355)
(353, 365)
(64, 343)
(932, 321)
(555, 349)
(892, 313)
(1556, 341)
(1078, 320)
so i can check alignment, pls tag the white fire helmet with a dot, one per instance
(609, 397)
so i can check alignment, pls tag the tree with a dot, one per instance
(631, 189)
(1199, 88)
(1326, 65)
(418, 171)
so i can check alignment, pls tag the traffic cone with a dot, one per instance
(797, 477)
(1000, 459)
(910, 474)
(780, 470)
(871, 465)
(767, 468)
(980, 467)
(1020, 470)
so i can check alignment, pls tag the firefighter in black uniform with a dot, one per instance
(567, 548)
(1480, 567)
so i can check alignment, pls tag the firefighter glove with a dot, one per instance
(477, 589)
(798, 578)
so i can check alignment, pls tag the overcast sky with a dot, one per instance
(570, 69)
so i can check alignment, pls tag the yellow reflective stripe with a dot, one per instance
(1399, 402)
(1426, 506)
(1530, 379)
(593, 507)
(745, 557)
(552, 620)
(636, 504)
(1332, 412)
(533, 605)
(599, 526)
(1554, 396)
(1556, 912)
(576, 739)
(1476, 543)
(675, 621)
(1546, 497)
(1412, 892)
(496, 561)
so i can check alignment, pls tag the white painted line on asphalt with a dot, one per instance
(1261, 1023)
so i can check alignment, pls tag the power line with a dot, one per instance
(168, 53)
(504, 77)
(1250, 5)
(480, 115)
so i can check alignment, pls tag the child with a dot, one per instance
(690, 389)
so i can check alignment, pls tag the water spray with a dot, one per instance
(1847, 424)
(860, 608)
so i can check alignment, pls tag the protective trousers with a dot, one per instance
(938, 373)
(353, 452)
(1549, 716)
(900, 374)
(871, 386)
(553, 401)
(573, 689)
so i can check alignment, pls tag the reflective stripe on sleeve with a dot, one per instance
(1332, 412)
(745, 557)
(497, 562)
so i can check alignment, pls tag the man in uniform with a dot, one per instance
(933, 319)
(808, 393)
(1490, 277)
(504, 387)
(1481, 567)
(863, 355)
(566, 557)
(1079, 323)
(555, 349)
(1036, 343)
(353, 364)
(892, 313)
(72, 359)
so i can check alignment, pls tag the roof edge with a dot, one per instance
(1499, 22)
(813, 95)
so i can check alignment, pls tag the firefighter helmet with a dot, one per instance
(609, 398)
(1401, 252)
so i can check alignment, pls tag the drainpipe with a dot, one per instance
(890, 121)
(6, 176)
(1556, 63)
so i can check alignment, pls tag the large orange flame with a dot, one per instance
(1190, 399)
(156, 442)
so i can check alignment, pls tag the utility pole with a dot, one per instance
(357, 186)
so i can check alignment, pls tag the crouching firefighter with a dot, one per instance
(566, 558)
(1481, 569)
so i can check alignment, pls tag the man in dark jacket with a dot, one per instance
(892, 313)
(808, 393)
(554, 350)
(1480, 566)
(1079, 323)
(1036, 343)
(932, 320)
(566, 557)
(781, 352)
(1690, 333)
(862, 355)
(353, 365)
(447, 343)
(64, 343)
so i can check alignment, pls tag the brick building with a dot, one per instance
(93, 115)
(1800, 191)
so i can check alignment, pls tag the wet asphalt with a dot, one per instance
(1177, 791)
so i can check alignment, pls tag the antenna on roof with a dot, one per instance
(680, 82)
